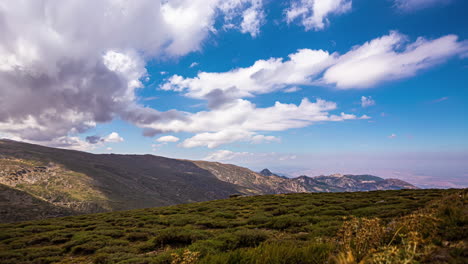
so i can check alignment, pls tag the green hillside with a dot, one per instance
(416, 226)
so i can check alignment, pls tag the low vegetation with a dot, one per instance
(407, 226)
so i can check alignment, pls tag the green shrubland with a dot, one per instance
(407, 226)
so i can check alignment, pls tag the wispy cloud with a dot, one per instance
(367, 101)
(440, 99)
(413, 5)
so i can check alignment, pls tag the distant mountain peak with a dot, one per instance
(267, 172)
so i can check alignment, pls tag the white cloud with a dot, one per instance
(367, 101)
(167, 139)
(241, 120)
(392, 136)
(440, 99)
(263, 76)
(387, 58)
(292, 89)
(253, 18)
(193, 64)
(62, 78)
(252, 15)
(223, 155)
(233, 119)
(216, 139)
(242, 114)
(313, 14)
(411, 5)
(113, 137)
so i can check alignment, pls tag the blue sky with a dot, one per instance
(385, 83)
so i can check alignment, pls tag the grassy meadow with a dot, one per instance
(406, 226)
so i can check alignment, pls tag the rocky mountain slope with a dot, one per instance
(65, 182)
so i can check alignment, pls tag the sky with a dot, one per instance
(297, 86)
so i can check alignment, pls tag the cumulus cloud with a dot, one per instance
(411, 5)
(167, 139)
(387, 58)
(367, 101)
(60, 77)
(113, 137)
(313, 14)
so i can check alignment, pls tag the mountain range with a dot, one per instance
(39, 182)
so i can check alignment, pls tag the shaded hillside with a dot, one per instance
(286, 228)
(88, 183)
(16, 205)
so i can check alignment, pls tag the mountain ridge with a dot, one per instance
(81, 182)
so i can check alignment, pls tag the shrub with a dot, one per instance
(226, 215)
(177, 237)
(361, 235)
(285, 221)
(275, 253)
(87, 248)
(258, 219)
(137, 237)
(110, 233)
(242, 238)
